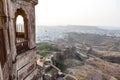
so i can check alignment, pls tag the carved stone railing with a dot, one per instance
(22, 46)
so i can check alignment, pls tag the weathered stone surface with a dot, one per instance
(16, 64)
(1, 74)
(25, 71)
(25, 58)
(32, 75)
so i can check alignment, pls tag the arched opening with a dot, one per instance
(21, 31)
(20, 24)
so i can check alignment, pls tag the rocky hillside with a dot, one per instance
(86, 56)
(93, 68)
(101, 42)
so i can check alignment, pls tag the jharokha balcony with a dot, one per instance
(21, 45)
(21, 39)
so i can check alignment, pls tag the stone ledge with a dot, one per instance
(25, 71)
(30, 1)
(32, 75)
(25, 58)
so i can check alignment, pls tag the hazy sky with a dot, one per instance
(78, 12)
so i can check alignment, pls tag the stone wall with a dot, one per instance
(25, 63)
(1, 74)
(29, 10)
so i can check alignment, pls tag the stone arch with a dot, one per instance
(23, 35)
(23, 14)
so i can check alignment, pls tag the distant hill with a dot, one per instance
(84, 27)
(57, 32)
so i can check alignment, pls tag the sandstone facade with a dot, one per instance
(17, 58)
